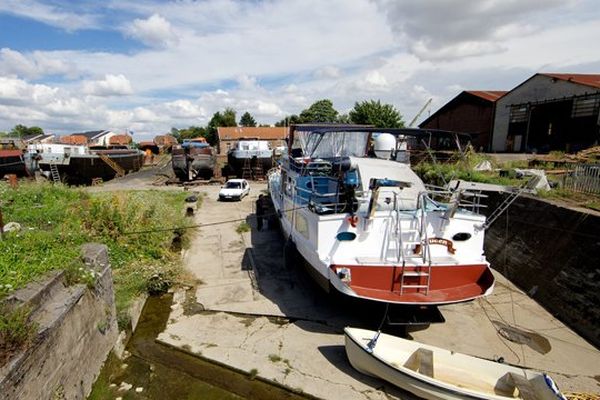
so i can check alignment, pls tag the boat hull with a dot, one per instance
(238, 163)
(452, 376)
(83, 169)
(196, 163)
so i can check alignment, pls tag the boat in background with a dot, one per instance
(193, 158)
(434, 373)
(367, 227)
(15, 159)
(79, 163)
(250, 158)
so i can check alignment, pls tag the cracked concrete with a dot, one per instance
(246, 286)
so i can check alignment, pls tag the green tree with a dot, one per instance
(21, 130)
(247, 120)
(321, 111)
(374, 113)
(226, 118)
(344, 119)
(290, 120)
(193, 132)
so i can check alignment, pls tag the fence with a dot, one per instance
(585, 178)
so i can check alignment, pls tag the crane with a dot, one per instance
(420, 112)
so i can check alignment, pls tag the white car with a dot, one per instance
(234, 189)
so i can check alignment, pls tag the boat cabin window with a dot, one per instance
(233, 185)
(337, 144)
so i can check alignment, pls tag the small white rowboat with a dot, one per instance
(434, 373)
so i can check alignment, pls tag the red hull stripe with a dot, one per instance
(448, 283)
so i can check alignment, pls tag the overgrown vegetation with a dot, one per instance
(57, 220)
(463, 167)
(16, 331)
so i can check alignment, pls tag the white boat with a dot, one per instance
(367, 226)
(250, 153)
(434, 373)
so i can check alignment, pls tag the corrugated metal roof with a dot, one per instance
(241, 132)
(491, 95)
(592, 80)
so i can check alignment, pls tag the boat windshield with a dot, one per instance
(336, 144)
(232, 185)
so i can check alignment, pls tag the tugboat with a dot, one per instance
(365, 224)
(193, 158)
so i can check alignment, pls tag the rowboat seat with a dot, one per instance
(516, 381)
(421, 361)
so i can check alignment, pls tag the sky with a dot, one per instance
(146, 66)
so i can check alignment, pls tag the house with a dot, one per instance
(471, 111)
(228, 136)
(549, 111)
(92, 138)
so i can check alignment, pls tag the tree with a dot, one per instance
(227, 118)
(290, 120)
(21, 130)
(247, 120)
(344, 119)
(321, 111)
(374, 113)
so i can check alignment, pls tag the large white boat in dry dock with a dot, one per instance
(368, 227)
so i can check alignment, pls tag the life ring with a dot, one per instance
(353, 219)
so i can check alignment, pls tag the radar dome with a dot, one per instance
(385, 144)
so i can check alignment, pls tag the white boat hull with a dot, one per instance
(454, 375)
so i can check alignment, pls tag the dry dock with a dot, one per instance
(253, 313)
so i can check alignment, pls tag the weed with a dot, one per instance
(16, 331)
(274, 358)
(243, 227)
(253, 374)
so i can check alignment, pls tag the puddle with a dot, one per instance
(162, 370)
(534, 340)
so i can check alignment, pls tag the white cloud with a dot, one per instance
(441, 29)
(154, 31)
(111, 85)
(48, 14)
(328, 72)
(33, 65)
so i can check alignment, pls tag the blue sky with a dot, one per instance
(151, 65)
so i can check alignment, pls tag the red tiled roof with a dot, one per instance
(491, 95)
(240, 132)
(592, 80)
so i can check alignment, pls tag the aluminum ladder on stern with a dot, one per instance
(54, 173)
(417, 236)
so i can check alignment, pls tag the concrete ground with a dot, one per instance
(254, 313)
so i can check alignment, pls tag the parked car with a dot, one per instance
(234, 189)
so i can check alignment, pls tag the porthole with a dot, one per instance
(461, 236)
(346, 236)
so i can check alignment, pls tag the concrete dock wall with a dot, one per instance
(552, 253)
(77, 329)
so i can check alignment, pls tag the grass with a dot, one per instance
(56, 220)
(274, 358)
(16, 331)
(242, 227)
